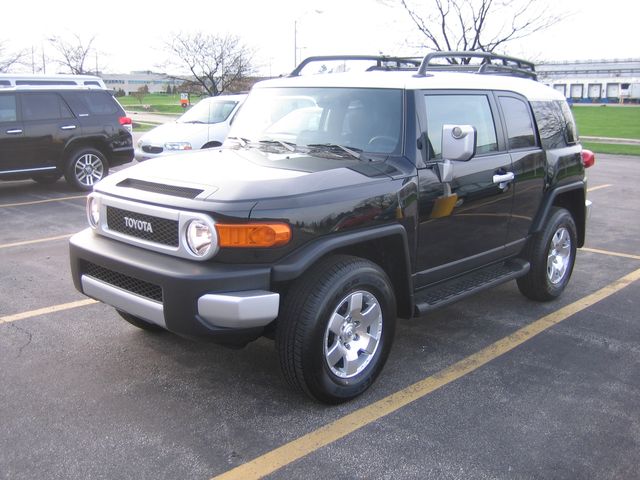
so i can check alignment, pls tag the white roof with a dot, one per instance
(531, 89)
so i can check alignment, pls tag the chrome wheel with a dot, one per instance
(353, 334)
(559, 257)
(88, 169)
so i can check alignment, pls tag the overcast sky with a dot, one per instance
(129, 35)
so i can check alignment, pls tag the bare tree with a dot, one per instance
(9, 59)
(74, 54)
(478, 25)
(215, 61)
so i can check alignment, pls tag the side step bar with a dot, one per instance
(450, 291)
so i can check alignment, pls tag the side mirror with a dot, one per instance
(458, 142)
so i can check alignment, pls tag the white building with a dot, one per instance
(594, 81)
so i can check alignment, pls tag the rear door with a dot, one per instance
(49, 125)
(472, 230)
(529, 164)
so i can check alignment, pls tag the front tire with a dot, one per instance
(336, 328)
(85, 167)
(552, 254)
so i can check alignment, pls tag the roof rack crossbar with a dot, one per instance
(383, 62)
(492, 63)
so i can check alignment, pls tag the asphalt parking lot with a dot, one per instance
(493, 387)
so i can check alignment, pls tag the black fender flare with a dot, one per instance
(295, 264)
(549, 200)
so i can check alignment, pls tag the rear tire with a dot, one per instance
(140, 323)
(85, 167)
(335, 329)
(552, 254)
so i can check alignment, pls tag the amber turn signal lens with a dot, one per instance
(253, 235)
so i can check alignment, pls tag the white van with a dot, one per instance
(205, 125)
(16, 80)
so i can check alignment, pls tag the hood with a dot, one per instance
(177, 132)
(227, 175)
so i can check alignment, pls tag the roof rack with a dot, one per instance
(383, 62)
(491, 63)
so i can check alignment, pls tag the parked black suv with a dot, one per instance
(47, 132)
(387, 193)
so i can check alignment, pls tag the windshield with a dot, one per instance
(208, 111)
(359, 119)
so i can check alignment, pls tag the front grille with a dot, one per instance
(172, 190)
(145, 227)
(151, 149)
(125, 282)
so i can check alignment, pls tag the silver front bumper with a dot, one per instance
(247, 309)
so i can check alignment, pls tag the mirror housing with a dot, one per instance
(458, 142)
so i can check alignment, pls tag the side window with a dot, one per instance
(518, 121)
(460, 109)
(551, 124)
(570, 125)
(99, 103)
(44, 106)
(8, 111)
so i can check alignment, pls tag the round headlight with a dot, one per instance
(199, 237)
(93, 211)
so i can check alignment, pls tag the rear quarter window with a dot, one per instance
(99, 103)
(551, 124)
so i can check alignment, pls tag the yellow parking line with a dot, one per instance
(31, 242)
(598, 187)
(296, 449)
(613, 254)
(35, 202)
(46, 310)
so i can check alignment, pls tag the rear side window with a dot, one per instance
(44, 106)
(8, 111)
(570, 125)
(519, 124)
(460, 110)
(551, 124)
(99, 103)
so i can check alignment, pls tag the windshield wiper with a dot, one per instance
(288, 145)
(193, 121)
(242, 141)
(354, 152)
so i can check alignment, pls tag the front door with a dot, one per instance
(12, 139)
(463, 224)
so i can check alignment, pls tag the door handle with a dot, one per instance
(503, 179)
(17, 131)
(68, 127)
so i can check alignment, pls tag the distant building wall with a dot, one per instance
(594, 81)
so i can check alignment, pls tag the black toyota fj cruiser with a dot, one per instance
(341, 201)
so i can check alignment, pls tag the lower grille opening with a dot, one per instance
(125, 282)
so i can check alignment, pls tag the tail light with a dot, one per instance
(588, 158)
(127, 123)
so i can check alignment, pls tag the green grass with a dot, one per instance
(156, 102)
(612, 148)
(608, 121)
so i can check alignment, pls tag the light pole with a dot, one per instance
(295, 34)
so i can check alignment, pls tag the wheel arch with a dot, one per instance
(385, 246)
(571, 197)
(96, 143)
